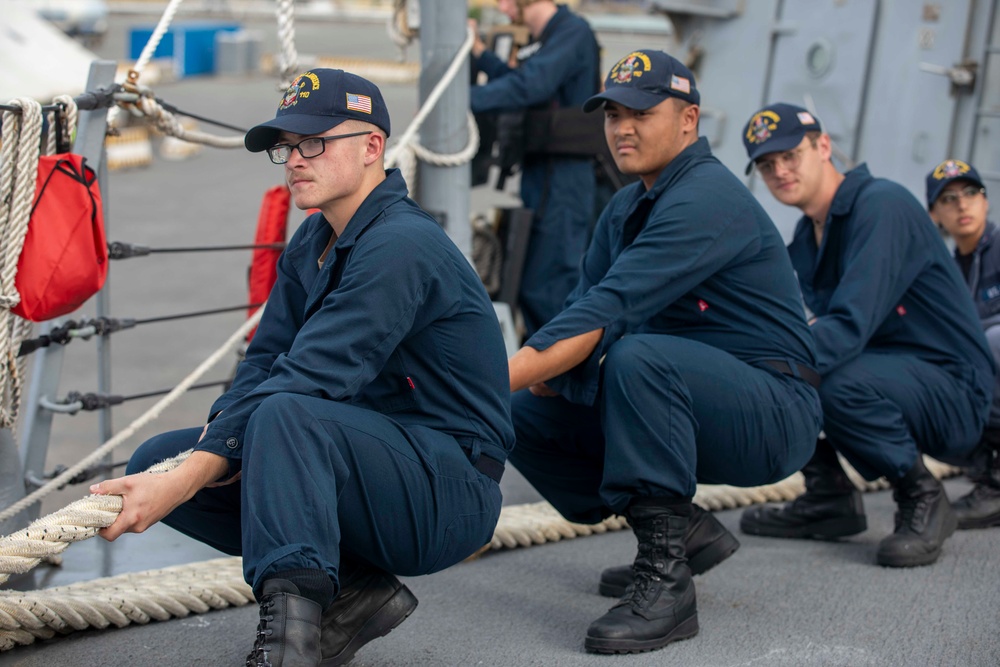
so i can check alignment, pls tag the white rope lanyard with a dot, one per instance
(18, 173)
(289, 60)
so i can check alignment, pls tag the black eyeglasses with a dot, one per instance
(308, 148)
(968, 192)
(789, 160)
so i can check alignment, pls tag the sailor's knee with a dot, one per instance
(840, 391)
(629, 357)
(634, 363)
(278, 408)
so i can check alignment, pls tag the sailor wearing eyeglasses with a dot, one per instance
(956, 197)
(906, 369)
(366, 431)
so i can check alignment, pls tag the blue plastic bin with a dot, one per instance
(189, 44)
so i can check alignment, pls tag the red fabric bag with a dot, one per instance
(64, 261)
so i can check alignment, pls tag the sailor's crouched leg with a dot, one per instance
(659, 606)
(707, 543)
(980, 508)
(324, 483)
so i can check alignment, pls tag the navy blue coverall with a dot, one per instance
(905, 366)
(692, 285)
(562, 73)
(371, 388)
(983, 280)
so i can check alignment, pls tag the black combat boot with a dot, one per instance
(707, 544)
(924, 520)
(830, 508)
(371, 603)
(980, 508)
(288, 631)
(659, 605)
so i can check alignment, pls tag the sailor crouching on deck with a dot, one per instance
(687, 293)
(956, 199)
(366, 432)
(906, 368)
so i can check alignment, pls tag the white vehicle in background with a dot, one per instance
(85, 19)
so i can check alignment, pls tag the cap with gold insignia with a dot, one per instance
(947, 172)
(643, 79)
(317, 101)
(777, 128)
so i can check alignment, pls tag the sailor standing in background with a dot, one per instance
(560, 69)
(906, 368)
(956, 197)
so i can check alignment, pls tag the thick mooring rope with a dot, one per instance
(172, 592)
(27, 616)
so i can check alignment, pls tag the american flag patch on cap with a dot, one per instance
(680, 83)
(361, 103)
(806, 118)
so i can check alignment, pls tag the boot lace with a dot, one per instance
(258, 656)
(912, 511)
(644, 582)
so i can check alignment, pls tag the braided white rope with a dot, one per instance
(231, 344)
(406, 151)
(49, 536)
(115, 113)
(154, 39)
(68, 119)
(167, 123)
(18, 173)
(27, 616)
(537, 523)
(452, 159)
(289, 59)
(172, 592)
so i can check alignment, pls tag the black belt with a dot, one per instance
(490, 467)
(804, 372)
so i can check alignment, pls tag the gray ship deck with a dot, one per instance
(775, 603)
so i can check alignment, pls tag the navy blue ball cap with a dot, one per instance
(947, 172)
(777, 128)
(317, 101)
(643, 79)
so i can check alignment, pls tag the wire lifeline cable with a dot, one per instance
(236, 339)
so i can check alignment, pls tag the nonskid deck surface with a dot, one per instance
(776, 603)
